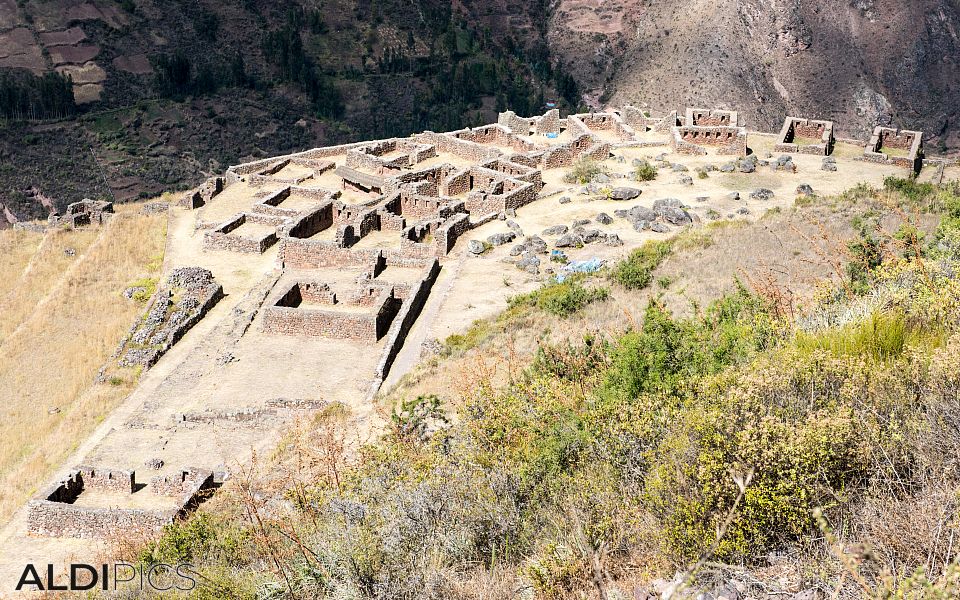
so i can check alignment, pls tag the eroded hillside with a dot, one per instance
(858, 63)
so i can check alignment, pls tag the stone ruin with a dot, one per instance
(249, 232)
(85, 212)
(895, 147)
(805, 136)
(362, 310)
(202, 194)
(703, 117)
(93, 502)
(693, 140)
(190, 293)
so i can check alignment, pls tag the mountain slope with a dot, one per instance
(860, 62)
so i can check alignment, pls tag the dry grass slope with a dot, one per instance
(61, 317)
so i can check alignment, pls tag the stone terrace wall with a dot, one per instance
(795, 127)
(55, 519)
(727, 140)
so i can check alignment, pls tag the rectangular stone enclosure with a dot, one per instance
(62, 510)
(805, 136)
(693, 140)
(895, 146)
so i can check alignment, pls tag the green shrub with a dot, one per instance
(636, 271)
(645, 172)
(561, 299)
(583, 171)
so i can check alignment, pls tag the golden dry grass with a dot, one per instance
(62, 322)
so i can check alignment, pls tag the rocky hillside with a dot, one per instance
(166, 92)
(858, 62)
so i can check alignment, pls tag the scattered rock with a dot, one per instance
(733, 196)
(641, 225)
(130, 292)
(580, 222)
(624, 193)
(728, 168)
(514, 227)
(590, 236)
(53, 410)
(805, 189)
(748, 164)
(641, 213)
(702, 198)
(678, 168)
(685, 180)
(784, 163)
(512, 213)
(556, 230)
(475, 247)
(570, 240)
(564, 200)
(761, 194)
(517, 250)
(69, 252)
(829, 164)
(743, 211)
(675, 216)
(659, 228)
(499, 239)
(604, 219)
(601, 178)
(153, 463)
(613, 239)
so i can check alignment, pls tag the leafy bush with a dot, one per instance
(645, 172)
(583, 171)
(561, 299)
(636, 271)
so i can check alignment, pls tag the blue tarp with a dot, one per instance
(580, 266)
(552, 135)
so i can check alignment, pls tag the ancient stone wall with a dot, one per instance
(703, 117)
(409, 312)
(165, 321)
(796, 130)
(375, 311)
(465, 149)
(548, 123)
(85, 212)
(692, 140)
(514, 123)
(52, 513)
(907, 144)
(223, 237)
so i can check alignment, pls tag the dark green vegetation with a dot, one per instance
(23, 95)
(245, 79)
(717, 438)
